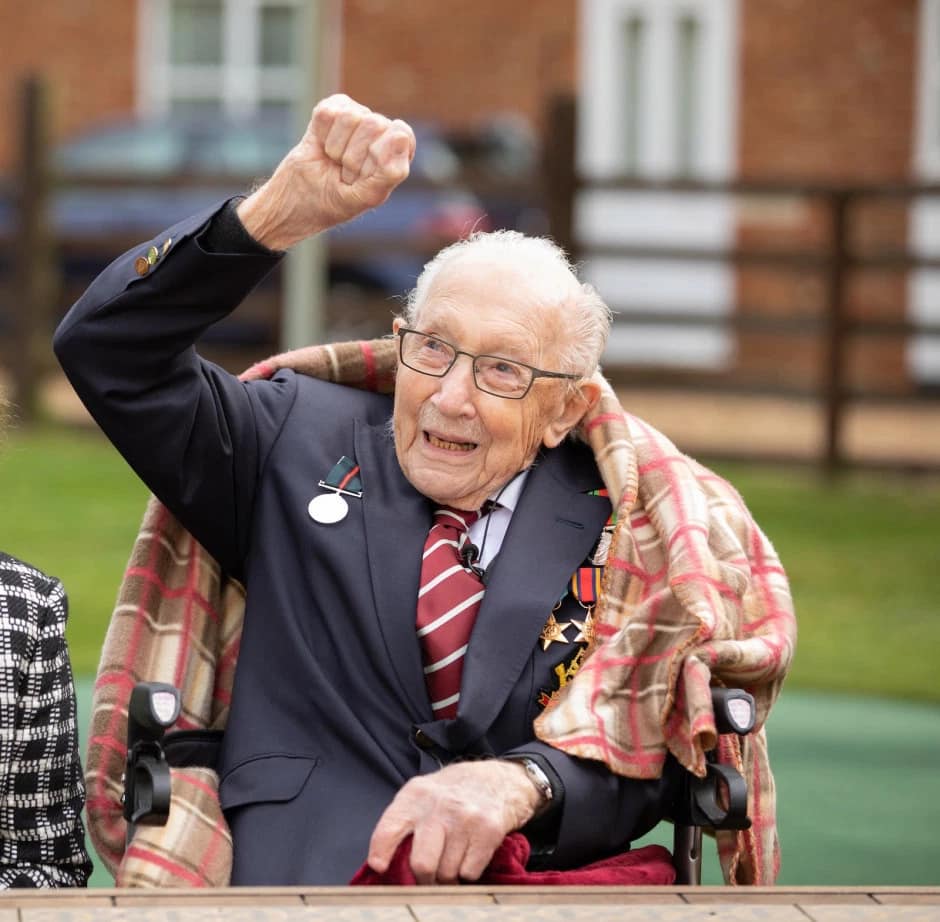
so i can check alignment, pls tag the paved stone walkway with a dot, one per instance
(478, 904)
(710, 424)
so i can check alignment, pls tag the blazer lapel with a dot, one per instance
(552, 531)
(397, 518)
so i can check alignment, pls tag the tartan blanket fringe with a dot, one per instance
(693, 594)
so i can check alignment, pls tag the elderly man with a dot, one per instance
(364, 709)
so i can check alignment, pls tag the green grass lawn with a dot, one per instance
(863, 555)
(71, 507)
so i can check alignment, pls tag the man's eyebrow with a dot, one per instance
(515, 352)
(507, 346)
(503, 349)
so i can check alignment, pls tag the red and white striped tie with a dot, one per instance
(448, 602)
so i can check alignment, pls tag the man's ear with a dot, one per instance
(580, 401)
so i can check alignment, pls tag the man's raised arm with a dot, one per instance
(189, 429)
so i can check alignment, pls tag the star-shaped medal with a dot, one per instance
(585, 628)
(553, 632)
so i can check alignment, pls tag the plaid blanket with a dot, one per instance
(693, 594)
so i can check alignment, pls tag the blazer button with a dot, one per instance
(141, 265)
(422, 740)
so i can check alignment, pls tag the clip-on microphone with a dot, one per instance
(469, 555)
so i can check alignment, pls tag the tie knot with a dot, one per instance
(460, 519)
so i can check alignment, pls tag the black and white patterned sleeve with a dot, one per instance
(42, 792)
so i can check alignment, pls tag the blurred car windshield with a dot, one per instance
(174, 146)
(145, 149)
(215, 146)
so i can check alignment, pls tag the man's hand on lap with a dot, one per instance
(457, 816)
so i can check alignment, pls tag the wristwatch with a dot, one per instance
(538, 778)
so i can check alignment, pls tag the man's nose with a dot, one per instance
(456, 391)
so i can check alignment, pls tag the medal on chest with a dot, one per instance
(342, 481)
(585, 588)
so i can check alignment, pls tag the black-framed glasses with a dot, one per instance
(492, 374)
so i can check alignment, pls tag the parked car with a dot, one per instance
(427, 211)
(503, 149)
(123, 182)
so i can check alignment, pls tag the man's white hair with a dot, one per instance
(546, 270)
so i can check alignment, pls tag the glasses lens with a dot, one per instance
(425, 353)
(501, 376)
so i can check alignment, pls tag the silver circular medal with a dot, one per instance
(328, 508)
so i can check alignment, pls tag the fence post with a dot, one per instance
(34, 268)
(833, 372)
(559, 171)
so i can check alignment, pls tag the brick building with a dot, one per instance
(451, 62)
(843, 91)
(828, 94)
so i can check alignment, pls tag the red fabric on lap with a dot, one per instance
(647, 866)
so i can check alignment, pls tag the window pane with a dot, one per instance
(633, 41)
(196, 32)
(687, 102)
(196, 110)
(278, 25)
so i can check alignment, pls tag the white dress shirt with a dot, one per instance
(487, 533)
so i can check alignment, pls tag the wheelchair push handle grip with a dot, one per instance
(735, 710)
(152, 709)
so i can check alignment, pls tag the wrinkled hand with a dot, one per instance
(458, 817)
(348, 161)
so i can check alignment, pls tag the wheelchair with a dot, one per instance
(716, 801)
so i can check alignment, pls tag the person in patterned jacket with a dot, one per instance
(42, 792)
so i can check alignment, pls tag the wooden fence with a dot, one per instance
(836, 261)
(34, 296)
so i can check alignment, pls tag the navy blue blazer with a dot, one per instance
(330, 715)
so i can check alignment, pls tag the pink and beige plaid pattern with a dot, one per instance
(693, 594)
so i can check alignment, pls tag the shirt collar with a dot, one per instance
(509, 495)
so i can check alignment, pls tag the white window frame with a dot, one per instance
(667, 219)
(927, 122)
(240, 82)
(923, 352)
(602, 131)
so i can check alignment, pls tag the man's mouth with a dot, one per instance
(447, 444)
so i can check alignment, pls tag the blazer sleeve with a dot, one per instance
(192, 432)
(42, 839)
(600, 813)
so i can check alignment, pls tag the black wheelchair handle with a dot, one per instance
(704, 804)
(153, 707)
(735, 710)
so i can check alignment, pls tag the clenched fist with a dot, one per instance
(348, 161)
